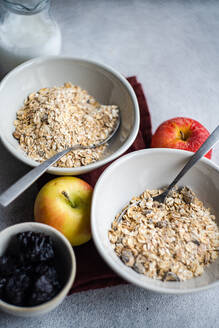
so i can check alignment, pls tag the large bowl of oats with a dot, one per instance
(171, 247)
(52, 103)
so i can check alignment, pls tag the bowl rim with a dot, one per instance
(97, 241)
(63, 292)
(83, 169)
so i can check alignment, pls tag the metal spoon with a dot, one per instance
(28, 179)
(205, 147)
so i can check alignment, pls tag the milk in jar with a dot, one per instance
(27, 30)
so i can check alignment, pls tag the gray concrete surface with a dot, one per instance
(173, 47)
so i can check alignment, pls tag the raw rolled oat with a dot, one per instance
(53, 119)
(173, 241)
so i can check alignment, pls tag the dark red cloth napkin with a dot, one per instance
(143, 138)
(92, 272)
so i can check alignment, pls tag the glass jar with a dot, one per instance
(27, 30)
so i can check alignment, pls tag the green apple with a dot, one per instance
(64, 203)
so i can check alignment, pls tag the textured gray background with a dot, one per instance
(173, 48)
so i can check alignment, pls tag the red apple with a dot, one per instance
(180, 133)
(64, 203)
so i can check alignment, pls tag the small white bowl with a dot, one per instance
(65, 252)
(129, 176)
(101, 81)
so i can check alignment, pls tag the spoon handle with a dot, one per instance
(205, 147)
(28, 179)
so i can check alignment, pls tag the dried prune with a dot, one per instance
(16, 289)
(42, 291)
(50, 272)
(28, 274)
(27, 268)
(2, 285)
(35, 246)
(7, 265)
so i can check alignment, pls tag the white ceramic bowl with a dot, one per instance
(130, 175)
(65, 252)
(101, 81)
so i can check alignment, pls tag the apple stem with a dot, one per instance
(182, 135)
(64, 193)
